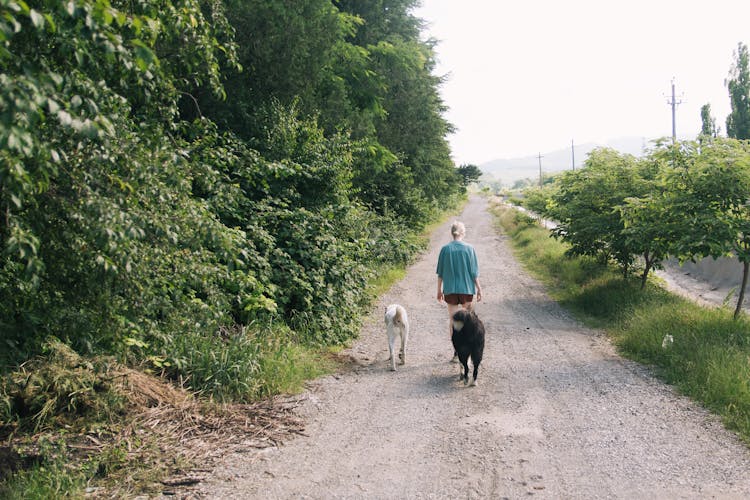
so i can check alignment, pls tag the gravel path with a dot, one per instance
(557, 413)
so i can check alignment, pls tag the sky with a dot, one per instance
(530, 76)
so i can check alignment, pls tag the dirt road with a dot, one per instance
(557, 414)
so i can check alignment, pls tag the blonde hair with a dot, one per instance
(458, 229)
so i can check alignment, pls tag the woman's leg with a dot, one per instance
(452, 308)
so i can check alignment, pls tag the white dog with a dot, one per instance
(397, 324)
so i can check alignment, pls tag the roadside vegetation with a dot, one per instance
(703, 352)
(617, 218)
(198, 201)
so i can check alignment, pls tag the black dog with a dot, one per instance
(468, 340)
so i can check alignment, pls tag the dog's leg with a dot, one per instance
(474, 378)
(404, 340)
(475, 360)
(463, 368)
(391, 348)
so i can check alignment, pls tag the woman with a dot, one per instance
(458, 275)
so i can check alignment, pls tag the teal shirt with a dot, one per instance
(458, 267)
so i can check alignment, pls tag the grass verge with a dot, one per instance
(702, 351)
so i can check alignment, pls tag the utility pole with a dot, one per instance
(540, 168)
(674, 102)
(573, 153)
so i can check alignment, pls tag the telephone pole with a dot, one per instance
(674, 102)
(540, 168)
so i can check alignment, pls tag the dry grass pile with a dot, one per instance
(197, 426)
(158, 433)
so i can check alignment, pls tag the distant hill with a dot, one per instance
(508, 171)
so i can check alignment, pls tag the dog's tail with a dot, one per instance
(398, 318)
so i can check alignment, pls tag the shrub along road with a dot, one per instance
(557, 413)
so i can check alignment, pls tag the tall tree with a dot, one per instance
(385, 19)
(411, 126)
(285, 48)
(708, 122)
(738, 84)
(469, 173)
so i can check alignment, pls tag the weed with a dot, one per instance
(49, 477)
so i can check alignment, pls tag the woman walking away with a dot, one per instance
(458, 275)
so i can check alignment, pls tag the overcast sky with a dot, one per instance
(529, 76)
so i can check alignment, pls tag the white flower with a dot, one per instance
(667, 342)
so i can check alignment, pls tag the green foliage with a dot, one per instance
(712, 190)
(51, 477)
(385, 185)
(738, 84)
(309, 241)
(684, 199)
(706, 360)
(98, 215)
(286, 369)
(384, 19)
(413, 127)
(202, 189)
(225, 365)
(286, 49)
(128, 229)
(469, 174)
(538, 199)
(586, 206)
(708, 122)
(547, 257)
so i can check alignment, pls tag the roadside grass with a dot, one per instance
(702, 351)
(384, 278)
(286, 370)
(42, 482)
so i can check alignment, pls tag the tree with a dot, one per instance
(708, 122)
(587, 204)
(469, 174)
(738, 84)
(285, 49)
(384, 19)
(537, 199)
(650, 221)
(710, 192)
